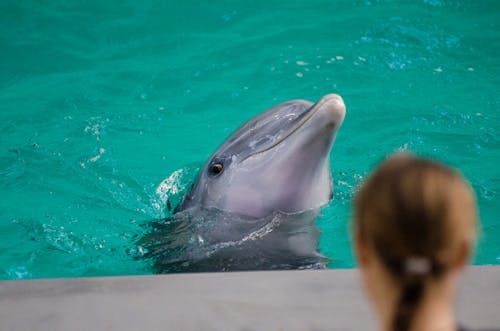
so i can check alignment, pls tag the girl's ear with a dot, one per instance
(360, 247)
(463, 256)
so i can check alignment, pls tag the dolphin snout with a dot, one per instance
(333, 106)
(333, 102)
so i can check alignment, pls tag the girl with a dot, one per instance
(415, 226)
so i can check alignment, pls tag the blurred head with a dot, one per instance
(416, 220)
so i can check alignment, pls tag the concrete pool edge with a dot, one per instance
(264, 300)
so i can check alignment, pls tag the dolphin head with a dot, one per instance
(278, 161)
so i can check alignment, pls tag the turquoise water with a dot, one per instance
(103, 101)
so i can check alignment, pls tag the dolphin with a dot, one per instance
(254, 201)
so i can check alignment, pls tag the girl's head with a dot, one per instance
(417, 217)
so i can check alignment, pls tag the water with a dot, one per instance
(107, 108)
(207, 240)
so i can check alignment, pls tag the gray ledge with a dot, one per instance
(269, 300)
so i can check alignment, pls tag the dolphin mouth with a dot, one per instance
(332, 101)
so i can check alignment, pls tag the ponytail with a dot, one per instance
(411, 294)
(413, 275)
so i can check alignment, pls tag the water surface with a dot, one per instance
(102, 102)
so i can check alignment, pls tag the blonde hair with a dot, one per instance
(418, 216)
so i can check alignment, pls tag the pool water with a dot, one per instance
(109, 108)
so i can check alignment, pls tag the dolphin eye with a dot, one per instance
(216, 168)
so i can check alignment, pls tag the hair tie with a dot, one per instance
(417, 266)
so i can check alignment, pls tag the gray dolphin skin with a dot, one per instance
(277, 161)
(253, 203)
